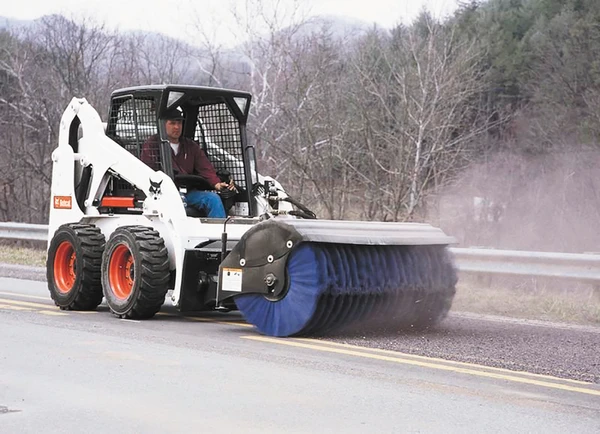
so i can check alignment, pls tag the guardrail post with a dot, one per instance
(595, 286)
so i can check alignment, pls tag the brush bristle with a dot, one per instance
(334, 286)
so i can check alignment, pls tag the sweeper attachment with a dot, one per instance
(119, 229)
(315, 277)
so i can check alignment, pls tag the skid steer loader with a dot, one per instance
(119, 230)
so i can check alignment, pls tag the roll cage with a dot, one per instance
(214, 118)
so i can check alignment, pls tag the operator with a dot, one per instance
(188, 159)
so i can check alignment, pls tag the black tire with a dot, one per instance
(73, 267)
(135, 272)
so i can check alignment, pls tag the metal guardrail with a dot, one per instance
(574, 266)
(23, 231)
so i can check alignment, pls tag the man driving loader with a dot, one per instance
(188, 159)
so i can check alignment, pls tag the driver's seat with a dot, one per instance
(192, 211)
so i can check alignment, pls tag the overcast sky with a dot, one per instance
(182, 18)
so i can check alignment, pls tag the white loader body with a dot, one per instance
(164, 212)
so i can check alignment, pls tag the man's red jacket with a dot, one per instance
(190, 160)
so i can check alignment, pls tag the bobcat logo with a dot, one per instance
(155, 187)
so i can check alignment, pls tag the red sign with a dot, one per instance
(62, 202)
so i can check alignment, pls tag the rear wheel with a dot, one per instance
(73, 266)
(135, 272)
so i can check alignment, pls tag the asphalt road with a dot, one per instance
(561, 350)
(90, 372)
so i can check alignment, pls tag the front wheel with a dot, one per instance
(135, 272)
(73, 266)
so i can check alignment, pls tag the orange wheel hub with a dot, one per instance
(121, 272)
(64, 267)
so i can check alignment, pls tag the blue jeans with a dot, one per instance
(206, 201)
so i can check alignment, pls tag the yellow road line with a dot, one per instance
(26, 303)
(29, 309)
(429, 364)
(34, 305)
(36, 297)
(43, 308)
(11, 307)
(438, 360)
(52, 313)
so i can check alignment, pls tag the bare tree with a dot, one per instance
(418, 96)
(159, 59)
(27, 126)
(312, 128)
(77, 54)
(45, 67)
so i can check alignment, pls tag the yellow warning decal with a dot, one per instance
(232, 279)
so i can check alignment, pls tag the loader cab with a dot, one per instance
(214, 118)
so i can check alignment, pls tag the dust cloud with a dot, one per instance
(525, 202)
